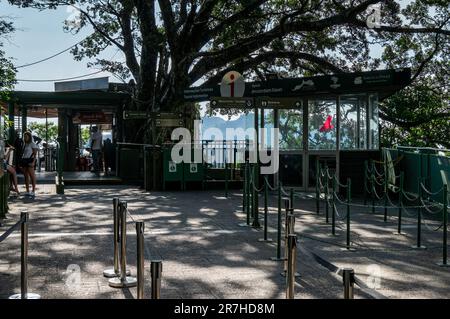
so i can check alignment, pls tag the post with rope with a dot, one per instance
(385, 191)
(287, 205)
(140, 259)
(291, 197)
(244, 189)
(333, 208)
(115, 271)
(266, 210)
(349, 198)
(419, 218)
(156, 274)
(124, 280)
(326, 194)
(246, 198)
(291, 269)
(278, 257)
(24, 294)
(366, 172)
(317, 187)
(400, 201)
(373, 185)
(226, 178)
(444, 225)
(255, 223)
(348, 276)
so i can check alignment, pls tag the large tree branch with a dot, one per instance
(169, 23)
(212, 60)
(410, 124)
(269, 57)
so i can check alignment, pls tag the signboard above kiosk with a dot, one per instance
(383, 81)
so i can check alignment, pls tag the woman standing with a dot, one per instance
(28, 162)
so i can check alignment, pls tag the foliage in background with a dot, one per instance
(420, 116)
(7, 71)
(39, 129)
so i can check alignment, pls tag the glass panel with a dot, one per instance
(291, 169)
(322, 125)
(350, 131)
(374, 137)
(363, 125)
(291, 129)
(266, 136)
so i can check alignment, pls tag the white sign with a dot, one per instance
(194, 168)
(233, 85)
(172, 167)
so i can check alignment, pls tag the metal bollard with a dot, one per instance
(24, 294)
(266, 212)
(292, 263)
(348, 277)
(124, 280)
(444, 228)
(156, 273)
(140, 259)
(278, 257)
(115, 272)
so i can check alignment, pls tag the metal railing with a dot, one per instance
(119, 276)
(23, 225)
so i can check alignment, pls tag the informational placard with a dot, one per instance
(230, 103)
(194, 168)
(279, 103)
(135, 115)
(172, 167)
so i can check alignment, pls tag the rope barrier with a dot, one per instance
(11, 230)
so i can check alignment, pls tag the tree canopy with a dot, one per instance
(170, 45)
(7, 72)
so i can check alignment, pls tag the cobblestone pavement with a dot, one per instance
(205, 253)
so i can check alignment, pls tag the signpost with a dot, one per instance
(230, 102)
(279, 103)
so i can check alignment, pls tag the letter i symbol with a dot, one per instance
(232, 85)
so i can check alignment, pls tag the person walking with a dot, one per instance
(27, 163)
(96, 149)
(7, 166)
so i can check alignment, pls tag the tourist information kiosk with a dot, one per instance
(329, 119)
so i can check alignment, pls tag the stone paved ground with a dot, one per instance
(205, 253)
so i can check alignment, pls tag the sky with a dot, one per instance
(40, 35)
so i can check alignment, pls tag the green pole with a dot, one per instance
(2, 197)
(251, 191)
(244, 190)
(385, 192)
(291, 197)
(400, 200)
(248, 194)
(445, 222)
(372, 178)
(256, 202)
(333, 209)
(349, 189)
(366, 186)
(317, 187)
(419, 218)
(326, 195)
(226, 178)
(266, 209)
(278, 257)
